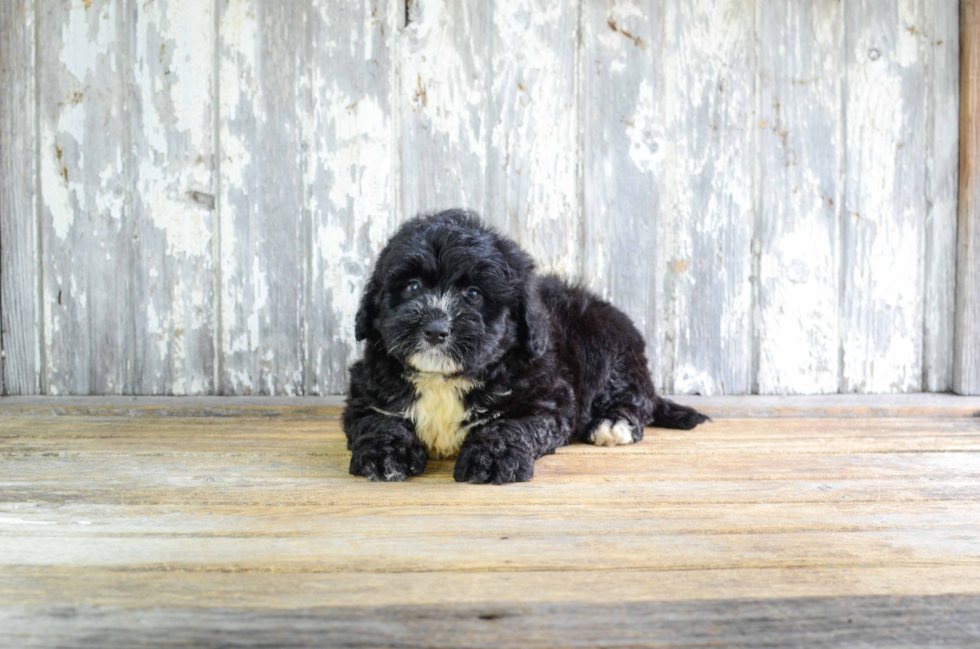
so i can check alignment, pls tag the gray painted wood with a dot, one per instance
(623, 117)
(171, 137)
(533, 158)
(680, 158)
(19, 366)
(866, 621)
(967, 354)
(348, 174)
(942, 37)
(264, 228)
(801, 189)
(86, 176)
(883, 230)
(709, 82)
(443, 76)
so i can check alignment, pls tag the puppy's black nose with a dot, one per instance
(435, 331)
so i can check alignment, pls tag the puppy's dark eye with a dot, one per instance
(414, 287)
(473, 294)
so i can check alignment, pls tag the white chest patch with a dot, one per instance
(438, 413)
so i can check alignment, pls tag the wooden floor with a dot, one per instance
(787, 522)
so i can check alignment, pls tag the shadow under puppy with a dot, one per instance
(470, 354)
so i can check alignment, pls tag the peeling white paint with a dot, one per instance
(86, 37)
(516, 155)
(534, 136)
(644, 150)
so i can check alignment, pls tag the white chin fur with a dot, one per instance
(433, 361)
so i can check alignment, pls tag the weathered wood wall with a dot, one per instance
(192, 192)
(966, 371)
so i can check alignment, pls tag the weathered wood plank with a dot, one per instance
(37, 468)
(947, 620)
(801, 150)
(533, 160)
(943, 48)
(967, 351)
(883, 234)
(19, 318)
(37, 586)
(431, 491)
(709, 81)
(348, 174)
(264, 230)
(622, 210)
(455, 551)
(923, 405)
(87, 224)
(249, 462)
(444, 78)
(250, 436)
(490, 520)
(173, 187)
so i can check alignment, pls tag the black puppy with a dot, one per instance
(470, 354)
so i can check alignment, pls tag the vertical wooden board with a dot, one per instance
(622, 104)
(173, 196)
(20, 364)
(443, 78)
(86, 226)
(883, 230)
(263, 232)
(348, 173)
(801, 153)
(533, 157)
(943, 51)
(966, 379)
(708, 188)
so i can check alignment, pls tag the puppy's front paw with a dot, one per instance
(389, 461)
(493, 461)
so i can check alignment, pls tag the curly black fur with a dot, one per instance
(548, 362)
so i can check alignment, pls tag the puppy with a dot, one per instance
(470, 355)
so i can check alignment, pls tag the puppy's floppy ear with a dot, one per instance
(368, 311)
(532, 321)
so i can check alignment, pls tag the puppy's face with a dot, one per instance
(447, 296)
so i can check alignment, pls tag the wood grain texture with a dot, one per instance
(172, 183)
(946, 620)
(87, 218)
(443, 83)
(623, 190)
(967, 353)
(19, 317)
(942, 176)
(248, 530)
(801, 191)
(768, 191)
(709, 185)
(348, 174)
(534, 151)
(264, 228)
(884, 225)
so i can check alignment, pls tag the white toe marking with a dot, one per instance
(609, 434)
(623, 432)
(603, 435)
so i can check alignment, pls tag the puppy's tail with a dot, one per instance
(667, 414)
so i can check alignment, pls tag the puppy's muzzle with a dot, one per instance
(436, 331)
